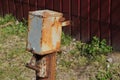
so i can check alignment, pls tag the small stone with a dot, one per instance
(74, 39)
(110, 60)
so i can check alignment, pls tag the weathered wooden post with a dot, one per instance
(44, 39)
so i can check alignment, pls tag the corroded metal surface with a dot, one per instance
(51, 34)
(44, 33)
(42, 64)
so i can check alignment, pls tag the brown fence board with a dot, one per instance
(105, 32)
(49, 4)
(115, 21)
(74, 7)
(94, 9)
(95, 30)
(105, 10)
(85, 30)
(115, 12)
(75, 28)
(56, 5)
(12, 7)
(41, 4)
(33, 5)
(5, 7)
(95, 26)
(66, 6)
(25, 7)
(116, 37)
(19, 12)
(1, 8)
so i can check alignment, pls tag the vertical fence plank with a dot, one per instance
(115, 21)
(74, 7)
(104, 20)
(75, 20)
(115, 37)
(84, 21)
(79, 15)
(41, 4)
(25, 6)
(5, 7)
(1, 8)
(66, 9)
(109, 23)
(12, 7)
(49, 4)
(89, 17)
(115, 12)
(18, 6)
(95, 31)
(75, 28)
(33, 5)
(61, 5)
(56, 5)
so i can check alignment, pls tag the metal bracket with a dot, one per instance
(32, 63)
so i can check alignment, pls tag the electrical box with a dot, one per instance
(44, 31)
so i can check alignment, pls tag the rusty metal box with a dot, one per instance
(44, 31)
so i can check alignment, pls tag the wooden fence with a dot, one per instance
(89, 17)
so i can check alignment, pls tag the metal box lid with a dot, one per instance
(46, 13)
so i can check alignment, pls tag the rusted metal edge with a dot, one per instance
(45, 13)
(30, 13)
(44, 52)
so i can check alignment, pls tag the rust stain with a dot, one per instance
(51, 34)
(46, 35)
(58, 45)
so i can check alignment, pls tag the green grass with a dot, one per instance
(13, 55)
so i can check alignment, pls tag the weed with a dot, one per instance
(6, 19)
(94, 48)
(82, 48)
(98, 47)
(104, 75)
(66, 39)
(14, 28)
